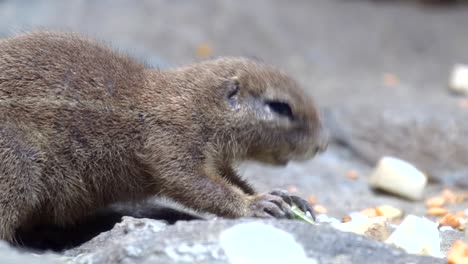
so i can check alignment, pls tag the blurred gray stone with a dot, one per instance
(435, 141)
(149, 241)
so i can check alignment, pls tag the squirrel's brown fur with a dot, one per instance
(82, 126)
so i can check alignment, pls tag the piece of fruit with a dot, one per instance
(398, 177)
(417, 235)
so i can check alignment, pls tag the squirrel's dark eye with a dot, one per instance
(233, 89)
(280, 108)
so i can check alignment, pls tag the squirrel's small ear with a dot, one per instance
(233, 87)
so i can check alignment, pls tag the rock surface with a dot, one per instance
(150, 241)
(10, 255)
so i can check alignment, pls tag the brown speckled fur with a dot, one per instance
(82, 126)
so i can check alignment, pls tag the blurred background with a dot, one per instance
(375, 59)
(340, 50)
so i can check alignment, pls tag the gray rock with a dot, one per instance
(432, 139)
(10, 255)
(150, 241)
(448, 237)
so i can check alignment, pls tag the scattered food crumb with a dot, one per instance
(352, 175)
(312, 199)
(463, 103)
(451, 220)
(437, 201)
(345, 219)
(391, 212)
(390, 80)
(449, 195)
(292, 189)
(369, 212)
(320, 209)
(460, 214)
(458, 253)
(204, 50)
(437, 211)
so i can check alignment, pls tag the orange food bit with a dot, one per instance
(450, 220)
(312, 199)
(460, 214)
(460, 198)
(437, 201)
(370, 212)
(449, 196)
(292, 189)
(320, 209)
(352, 175)
(458, 253)
(463, 103)
(204, 50)
(437, 211)
(345, 219)
(390, 80)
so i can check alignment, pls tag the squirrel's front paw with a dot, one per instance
(295, 200)
(269, 206)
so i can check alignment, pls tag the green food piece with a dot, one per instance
(300, 215)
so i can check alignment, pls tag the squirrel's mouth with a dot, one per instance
(309, 154)
(277, 160)
(281, 162)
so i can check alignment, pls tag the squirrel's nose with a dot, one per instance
(322, 141)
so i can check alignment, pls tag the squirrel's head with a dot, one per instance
(265, 115)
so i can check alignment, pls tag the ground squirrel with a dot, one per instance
(82, 126)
